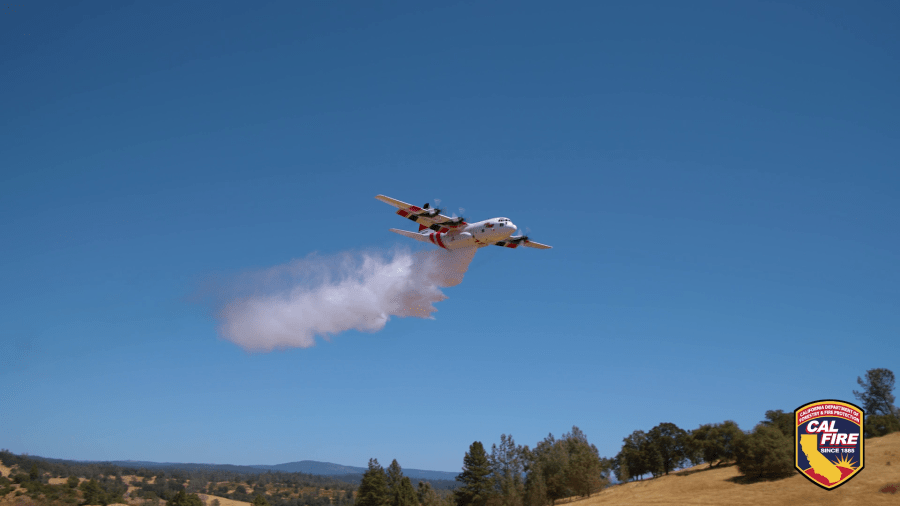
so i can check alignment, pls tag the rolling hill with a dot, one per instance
(702, 485)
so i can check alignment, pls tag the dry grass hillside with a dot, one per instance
(207, 499)
(702, 486)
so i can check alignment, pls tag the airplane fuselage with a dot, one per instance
(456, 233)
(482, 233)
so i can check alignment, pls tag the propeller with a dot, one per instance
(457, 218)
(523, 237)
(433, 211)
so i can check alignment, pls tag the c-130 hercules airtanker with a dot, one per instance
(456, 233)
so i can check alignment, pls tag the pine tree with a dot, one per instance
(93, 493)
(585, 470)
(876, 396)
(426, 494)
(406, 494)
(507, 467)
(394, 476)
(475, 478)
(535, 488)
(373, 490)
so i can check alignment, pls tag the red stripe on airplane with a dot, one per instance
(403, 213)
(415, 209)
(440, 242)
(431, 236)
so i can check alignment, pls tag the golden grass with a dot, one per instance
(207, 499)
(702, 486)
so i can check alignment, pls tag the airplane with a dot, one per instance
(455, 233)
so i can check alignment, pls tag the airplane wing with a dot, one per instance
(515, 242)
(424, 217)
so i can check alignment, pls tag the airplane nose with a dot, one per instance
(512, 227)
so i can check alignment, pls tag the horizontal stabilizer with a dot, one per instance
(532, 244)
(413, 235)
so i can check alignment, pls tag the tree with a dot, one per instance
(564, 467)
(72, 481)
(406, 494)
(535, 488)
(507, 468)
(876, 396)
(260, 500)
(670, 443)
(373, 490)
(475, 477)
(93, 493)
(780, 420)
(399, 487)
(765, 454)
(183, 499)
(637, 457)
(881, 425)
(393, 477)
(585, 470)
(551, 461)
(714, 443)
(426, 494)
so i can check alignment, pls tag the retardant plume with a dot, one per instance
(289, 305)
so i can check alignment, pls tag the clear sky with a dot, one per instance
(719, 181)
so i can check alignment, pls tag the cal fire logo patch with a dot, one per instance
(828, 442)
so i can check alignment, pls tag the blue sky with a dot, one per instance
(719, 182)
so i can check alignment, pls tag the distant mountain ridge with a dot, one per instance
(330, 469)
(303, 466)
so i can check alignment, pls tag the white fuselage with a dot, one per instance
(483, 233)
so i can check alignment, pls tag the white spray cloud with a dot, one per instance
(287, 306)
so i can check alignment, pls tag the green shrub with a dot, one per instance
(881, 425)
(765, 454)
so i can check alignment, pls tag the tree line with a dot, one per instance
(508, 475)
(766, 452)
